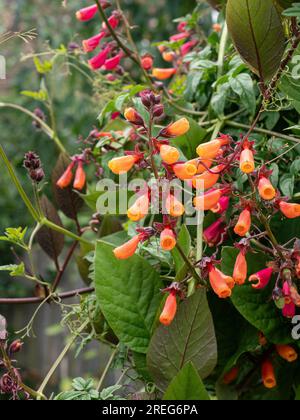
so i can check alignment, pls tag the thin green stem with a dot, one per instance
(53, 226)
(61, 357)
(222, 50)
(190, 266)
(107, 367)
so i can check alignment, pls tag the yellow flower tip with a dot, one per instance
(247, 164)
(266, 189)
(169, 154)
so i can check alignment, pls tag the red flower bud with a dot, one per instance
(147, 62)
(91, 44)
(289, 310)
(222, 205)
(214, 233)
(262, 278)
(98, 61)
(231, 376)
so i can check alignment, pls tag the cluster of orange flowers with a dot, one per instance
(268, 374)
(215, 158)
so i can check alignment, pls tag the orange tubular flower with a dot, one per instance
(133, 116)
(167, 239)
(168, 314)
(211, 149)
(220, 283)
(207, 179)
(244, 223)
(247, 164)
(127, 250)
(287, 353)
(80, 177)
(168, 56)
(174, 207)
(266, 189)
(185, 170)
(268, 375)
(140, 209)
(240, 269)
(208, 200)
(231, 376)
(178, 128)
(163, 74)
(123, 164)
(66, 179)
(290, 210)
(169, 154)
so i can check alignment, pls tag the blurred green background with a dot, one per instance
(74, 105)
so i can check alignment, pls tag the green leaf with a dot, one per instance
(242, 85)
(256, 306)
(257, 32)
(14, 270)
(190, 338)
(187, 386)
(287, 184)
(218, 100)
(184, 240)
(190, 141)
(42, 67)
(129, 296)
(41, 95)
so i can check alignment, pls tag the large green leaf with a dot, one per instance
(190, 338)
(129, 296)
(187, 386)
(256, 306)
(257, 32)
(190, 141)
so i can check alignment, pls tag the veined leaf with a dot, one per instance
(257, 32)
(187, 386)
(190, 338)
(129, 296)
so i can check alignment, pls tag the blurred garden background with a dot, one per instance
(75, 108)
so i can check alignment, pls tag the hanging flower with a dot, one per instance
(262, 278)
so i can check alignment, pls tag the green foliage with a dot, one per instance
(187, 386)
(173, 346)
(258, 35)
